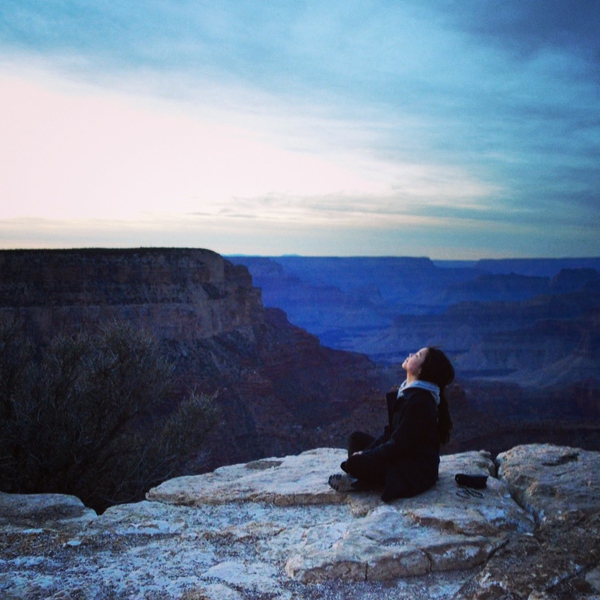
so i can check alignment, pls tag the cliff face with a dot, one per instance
(180, 294)
(274, 529)
(279, 389)
(387, 307)
(282, 391)
(522, 334)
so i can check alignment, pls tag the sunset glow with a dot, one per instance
(424, 135)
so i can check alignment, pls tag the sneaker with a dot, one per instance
(341, 482)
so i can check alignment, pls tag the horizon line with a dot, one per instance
(296, 255)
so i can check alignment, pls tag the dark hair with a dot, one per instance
(438, 369)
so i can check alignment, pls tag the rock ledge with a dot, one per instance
(274, 529)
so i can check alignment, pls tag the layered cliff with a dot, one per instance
(386, 307)
(278, 389)
(522, 334)
(178, 294)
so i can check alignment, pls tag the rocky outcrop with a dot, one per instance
(559, 487)
(274, 529)
(178, 294)
(573, 280)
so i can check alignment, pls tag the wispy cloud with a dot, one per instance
(468, 122)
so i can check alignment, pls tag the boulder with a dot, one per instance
(560, 488)
(553, 483)
(273, 529)
(26, 512)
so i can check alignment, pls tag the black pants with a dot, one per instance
(359, 441)
(371, 473)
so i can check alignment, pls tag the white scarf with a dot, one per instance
(433, 389)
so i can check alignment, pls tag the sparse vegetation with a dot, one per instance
(80, 415)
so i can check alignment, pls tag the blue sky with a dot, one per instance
(449, 129)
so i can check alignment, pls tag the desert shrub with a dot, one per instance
(85, 415)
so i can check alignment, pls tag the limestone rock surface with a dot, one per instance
(560, 488)
(273, 529)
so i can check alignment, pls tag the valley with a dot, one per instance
(299, 352)
(524, 335)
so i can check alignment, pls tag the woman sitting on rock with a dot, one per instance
(404, 460)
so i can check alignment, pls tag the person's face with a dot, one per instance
(412, 364)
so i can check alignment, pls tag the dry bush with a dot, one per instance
(80, 415)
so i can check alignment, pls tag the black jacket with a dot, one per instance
(409, 446)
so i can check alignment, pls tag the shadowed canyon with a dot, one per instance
(524, 334)
(301, 350)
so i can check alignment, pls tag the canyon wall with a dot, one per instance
(524, 335)
(278, 389)
(177, 294)
(389, 306)
(282, 389)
